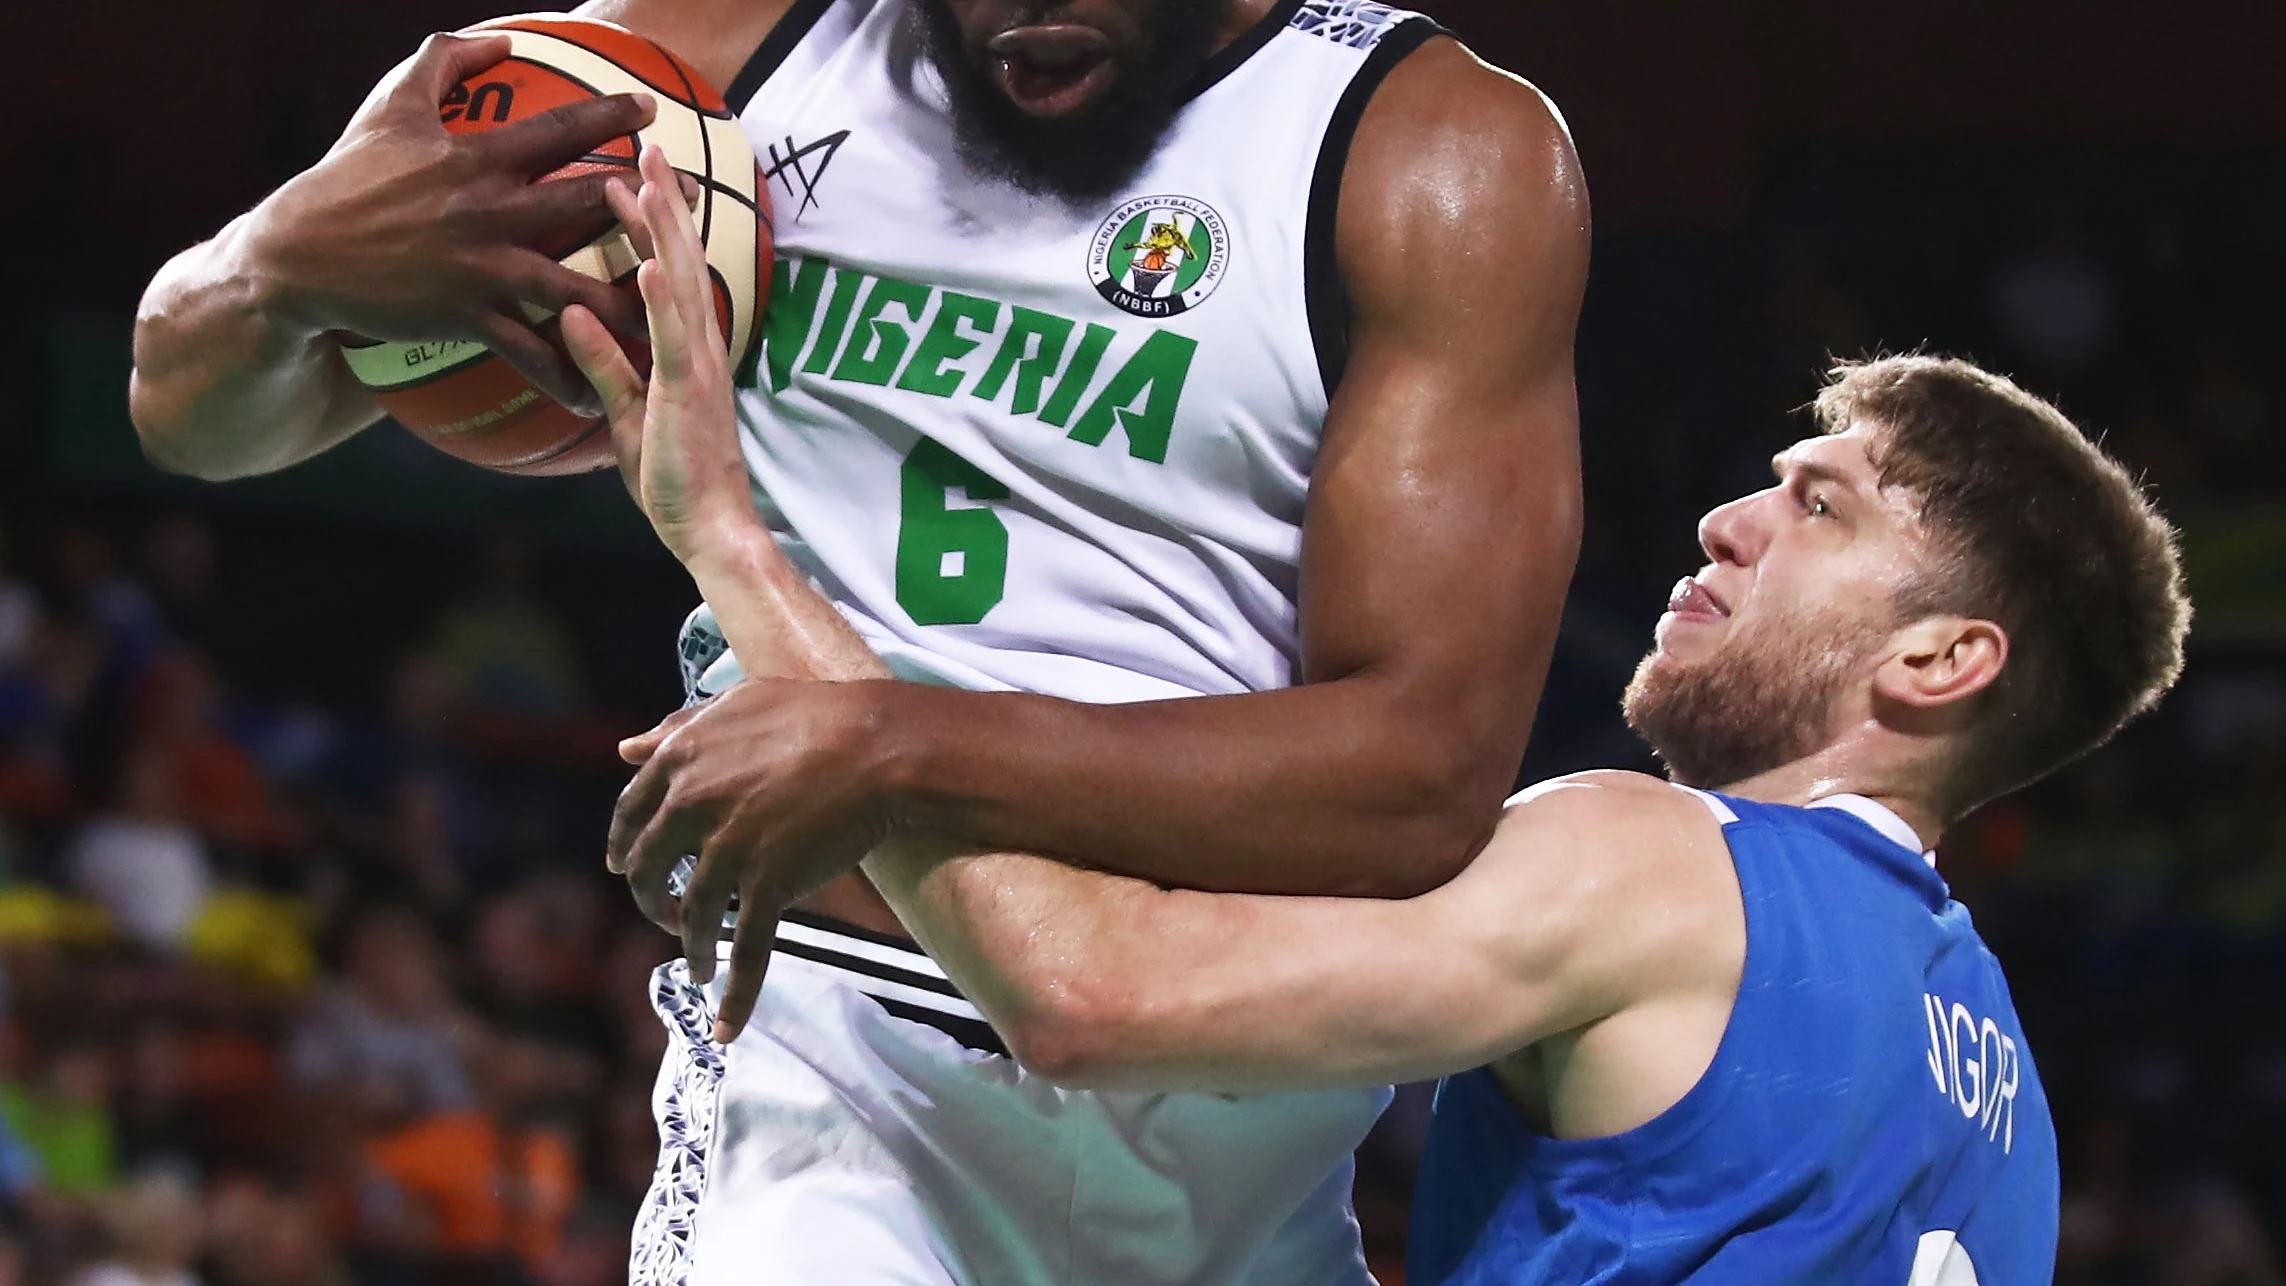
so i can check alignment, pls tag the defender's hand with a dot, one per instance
(676, 434)
(767, 785)
(407, 232)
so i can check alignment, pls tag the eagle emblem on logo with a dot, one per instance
(1157, 256)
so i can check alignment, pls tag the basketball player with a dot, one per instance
(1742, 1036)
(1183, 531)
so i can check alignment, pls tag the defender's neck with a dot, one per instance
(1840, 770)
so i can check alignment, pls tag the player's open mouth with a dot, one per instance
(1692, 601)
(1051, 69)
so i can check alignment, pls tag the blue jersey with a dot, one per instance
(1871, 1114)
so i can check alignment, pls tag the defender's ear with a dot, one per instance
(1942, 659)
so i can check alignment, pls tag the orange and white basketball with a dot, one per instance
(455, 394)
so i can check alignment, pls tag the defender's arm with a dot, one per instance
(1595, 893)
(1440, 536)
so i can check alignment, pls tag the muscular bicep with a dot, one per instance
(1444, 511)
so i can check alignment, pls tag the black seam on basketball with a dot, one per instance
(719, 291)
(773, 51)
(720, 188)
(616, 229)
(688, 88)
(634, 137)
(644, 80)
(707, 185)
(551, 67)
(725, 190)
(1234, 55)
(1325, 301)
(763, 283)
(706, 202)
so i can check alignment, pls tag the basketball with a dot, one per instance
(455, 394)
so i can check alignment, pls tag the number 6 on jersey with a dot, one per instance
(952, 563)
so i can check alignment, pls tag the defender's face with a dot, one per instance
(1825, 544)
(1052, 60)
(1764, 655)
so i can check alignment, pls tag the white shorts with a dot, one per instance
(861, 1132)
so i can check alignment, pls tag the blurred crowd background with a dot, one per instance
(313, 976)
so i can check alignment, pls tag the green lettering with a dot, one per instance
(952, 563)
(1158, 370)
(1031, 362)
(1066, 398)
(876, 345)
(845, 284)
(786, 326)
(944, 343)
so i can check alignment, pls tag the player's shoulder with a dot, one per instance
(1461, 188)
(1444, 84)
(1619, 884)
(1467, 134)
(1623, 827)
(1611, 796)
(1641, 866)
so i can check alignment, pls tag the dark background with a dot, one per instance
(332, 748)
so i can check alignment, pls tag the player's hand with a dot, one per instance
(407, 232)
(767, 785)
(676, 434)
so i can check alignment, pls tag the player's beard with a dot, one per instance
(1093, 152)
(1765, 699)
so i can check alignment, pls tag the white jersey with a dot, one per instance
(1020, 446)
(864, 1131)
(1027, 446)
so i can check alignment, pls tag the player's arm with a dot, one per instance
(223, 386)
(1595, 893)
(1441, 531)
(402, 231)
(1592, 892)
(1439, 539)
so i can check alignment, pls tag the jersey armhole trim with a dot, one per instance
(772, 52)
(1724, 814)
(1323, 296)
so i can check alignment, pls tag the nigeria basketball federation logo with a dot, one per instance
(1159, 255)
